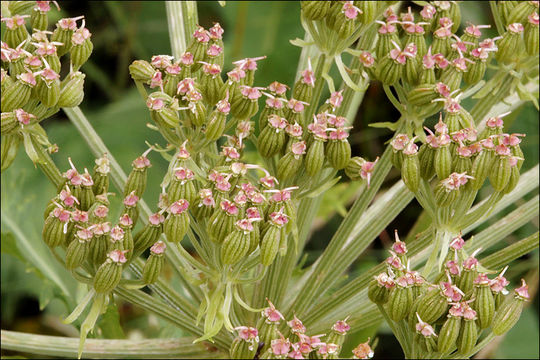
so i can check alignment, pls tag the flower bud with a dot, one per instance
(71, 90)
(110, 272)
(177, 223)
(154, 263)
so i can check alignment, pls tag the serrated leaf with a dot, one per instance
(385, 125)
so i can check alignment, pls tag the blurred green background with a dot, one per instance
(125, 31)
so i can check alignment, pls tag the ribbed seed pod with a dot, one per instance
(18, 94)
(126, 224)
(400, 302)
(468, 335)
(427, 76)
(411, 318)
(211, 83)
(168, 117)
(99, 246)
(81, 47)
(531, 35)
(234, 247)
(466, 279)
(154, 263)
(385, 44)
(445, 197)
(109, 273)
(182, 186)
(177, 223)
(423, 94)
(270, 244)
(39, 20)
(481, 167)
(271, 140)
(519, 13)
(433, 306)
(78, 249)
(149, 234)
(288, 166)
(53, 230)
(441, 45)
(141, 70)
(448, 334)
(221, 223)
(62, 34)
(388, 71)
(243, 107)
(426, 158)
(507, 316)
(338, 153)
(410, 71)
(484, 304)
(500, 173)
(511, 44)
(15, 35)
(443, 162)
(315, 10)
(137, 178)
(397, 158)
(377, 293)
(242, 349)
(513, 181)
(71, 90)
(410, 172)
(475, 72)
(216, 126)
(87, 197)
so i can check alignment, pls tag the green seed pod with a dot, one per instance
(9, 122)
(397, 159)
(386, 40)
(500, 173)
(462, 164)
(216, 126)
(475, 72)
(345, 26)
(167, 117)
(466, 280)
(531, 34)
(141, 70)
(449, 333)
(242, 349)
(81, 47)
(78, 249)
(48, 89)
(481, 167)
(71, 90)
(137, 178)
(315, 157)
(126, 224)
(99, 246)
(410, 71)
(20, 7)
(410, 171)
(427, 76)
(484, 303)
(221, 223)
(154, 263)
(338, 149)
(379, 289)
(521, 11)
(290, 164)
(272, 137)
(246, 105)
(333, 12)
(468, 335)
(15, 32)
(510, 311)
(400, 301)
(149, 234)
(388, 71)
(63, 33)
(171, 80)
(270, 245)
(441, 45)
(198, 47)
(511, 44)
(433, 306)
(303, 89)
(109, 273)
(18, 94)
(513, 181)
(359, 169)
(426, 158)
(101, 175)
(236, 244)
(116, 239)
(315, 10)
(182, 186)
(39, 19)
(196, 114)
(55, 228)
(177, 223)
(443, 162)
(445, 197)
(211, 83)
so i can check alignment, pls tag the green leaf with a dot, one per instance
(385, 125)
(525, 95)
(109, 323)
(322, 188)
(46, 294)
(9, 246)
(30, 149)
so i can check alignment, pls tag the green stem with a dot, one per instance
(57, 346)
(511, 252)
(397, 333)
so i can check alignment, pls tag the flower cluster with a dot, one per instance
(267, 341)
(31, 86)
(448, 314)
